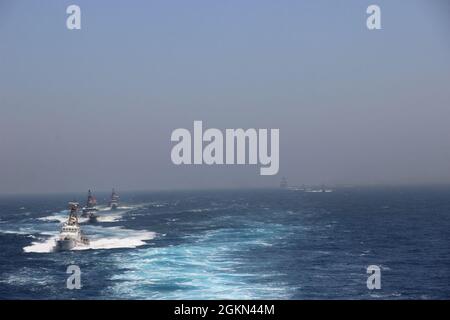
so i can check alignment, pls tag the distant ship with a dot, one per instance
(283, 183)
(70, 235)
(91, 208)
(114, 203)
(297, 188)
(322, 189)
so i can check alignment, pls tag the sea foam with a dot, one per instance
(114, 238)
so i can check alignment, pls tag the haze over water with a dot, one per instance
(95, 108)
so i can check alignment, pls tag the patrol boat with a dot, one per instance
(91, 208)
(70, 235)
(114, 203)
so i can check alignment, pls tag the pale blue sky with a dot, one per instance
(95, 108)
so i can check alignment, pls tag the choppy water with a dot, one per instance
(268, 244)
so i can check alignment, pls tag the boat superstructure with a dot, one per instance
(70, 235)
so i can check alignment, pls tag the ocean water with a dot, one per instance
(243, 244)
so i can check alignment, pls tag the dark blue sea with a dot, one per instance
(242, 244)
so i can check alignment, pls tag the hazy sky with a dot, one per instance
(95, 108)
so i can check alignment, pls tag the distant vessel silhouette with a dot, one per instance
(283, 183)
(89, 211)
(114, 203)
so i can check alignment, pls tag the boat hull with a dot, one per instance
(90, 213)
(64, 245)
